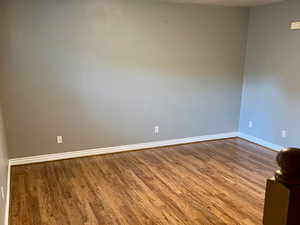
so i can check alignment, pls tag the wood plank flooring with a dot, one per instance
(208, 183)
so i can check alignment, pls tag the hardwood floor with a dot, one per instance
(207, 183)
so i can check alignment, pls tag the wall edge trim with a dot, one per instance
(122, 148)
(7, 199)
(261, 142)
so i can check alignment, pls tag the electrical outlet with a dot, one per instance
(283, 133)
(295, 25)
(156, 129)
(2, 193)
(250, 124)
(59, 139)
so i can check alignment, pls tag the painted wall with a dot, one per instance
(104, 73)
(272, 75)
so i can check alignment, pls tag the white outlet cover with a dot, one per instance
(2, 192)
(59, 139)
(295, 25)
(250, 124)
(156, 129)
(283, 133)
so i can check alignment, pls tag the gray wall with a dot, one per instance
(104, 73)
(3, 150)
(272, 74)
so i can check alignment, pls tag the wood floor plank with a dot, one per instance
(209, 183)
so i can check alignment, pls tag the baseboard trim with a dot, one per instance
(260, 142)
(7, 202)
(123, 148)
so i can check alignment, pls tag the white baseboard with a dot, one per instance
(260, 142)
(99, 151)
(6, 215)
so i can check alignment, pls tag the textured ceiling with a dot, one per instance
(228, 2)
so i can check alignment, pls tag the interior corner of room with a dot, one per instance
(81, 78)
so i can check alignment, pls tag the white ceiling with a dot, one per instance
(228, 2)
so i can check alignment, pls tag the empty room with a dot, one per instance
(149, 112)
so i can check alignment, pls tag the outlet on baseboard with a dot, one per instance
(283, 133)
(156, 130)
(59, 139)
(250, 124)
